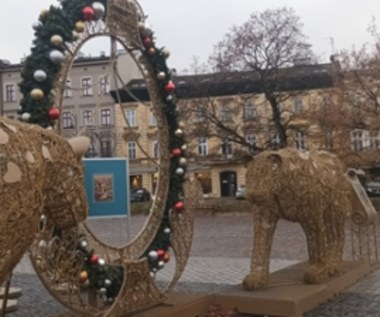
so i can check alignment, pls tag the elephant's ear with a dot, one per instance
(275, 159)
(80, 145)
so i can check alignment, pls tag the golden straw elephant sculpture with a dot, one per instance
(310, 188)
(40, 174)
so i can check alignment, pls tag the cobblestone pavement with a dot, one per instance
(220, 257)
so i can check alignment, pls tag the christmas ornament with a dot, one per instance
(94, 258)
(176, 152)
(160, 253)
(182, 162)
(102, 291)
(181, 125)
(44, 13)
(99, 10)
(169, 98)
(107, 283)
(167, 231)
(180, 171)
(101, 262)
(170, 87)
(56, 56)
(53, 113)
(75, 35)
(153, 256)
(151, 51)
(25, 116)
(147, 41)
(37, 94)
(56, 40)
(39, 75)
(83, 244)
(79, 27)
(184, 148)
(161, 264)
(83, 276)
(165, 53)
(88, 13)
(36, 25)
(178, 133)
(161, 76)
(42, 244)
(179, 206)
(166, 257)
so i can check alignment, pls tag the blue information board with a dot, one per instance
(107, 186)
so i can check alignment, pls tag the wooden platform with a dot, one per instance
(286, 296)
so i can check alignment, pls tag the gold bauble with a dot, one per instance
(37, 94)
(44, 12)
(80, 26)
(152, 50)
(56, 40)
(83, 276)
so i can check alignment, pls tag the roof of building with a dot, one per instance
(300, 77)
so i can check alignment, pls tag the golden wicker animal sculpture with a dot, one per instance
(306, 187)
(40, 173)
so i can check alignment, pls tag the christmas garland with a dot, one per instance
(57, 27)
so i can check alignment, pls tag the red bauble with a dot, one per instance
(88, 13)
(94, 259)
(170, 87)
(53, 113)
(161, 253)
(179, 206)
(176, 152)
(147, 41)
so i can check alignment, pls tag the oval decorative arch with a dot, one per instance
(87, 275)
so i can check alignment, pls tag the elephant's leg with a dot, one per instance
(315, 232)
(335, 242)
(264, 223)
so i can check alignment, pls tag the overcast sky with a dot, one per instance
(191, 27)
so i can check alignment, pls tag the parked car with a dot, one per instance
(139, 195)
(240, 193)
(373, 188)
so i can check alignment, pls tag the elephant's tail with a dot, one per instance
(363, 211)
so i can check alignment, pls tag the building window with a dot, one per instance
(104, 85)
(374, 140)
(156, 150)
(300, 140)
(67, 120)
(87, 118)
(275, 141)
(251, 140)
(10, 93)
(87, 86)
(68, 92)
(202, 146)
(250, 111)
(132, 150)
(357, 140)
(298, 105)
(106, 148)
(130, 116)
(105, 117)
(227, 148)
(225, 114)
(200, 114)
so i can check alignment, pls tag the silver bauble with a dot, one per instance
(25, 116)
(99, 10)
(36, 25)
(153, 256)
(178, 133)
(169, 98)
(167, 231)
(182, 162)
(161, 264)
(40, 75)
(107, 283)
(180, 171)
(165, 53)
(56, 56)
(101, 262)
(161, 76)
(102, 291)
(83, 244)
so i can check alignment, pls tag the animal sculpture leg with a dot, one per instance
(264, 224)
